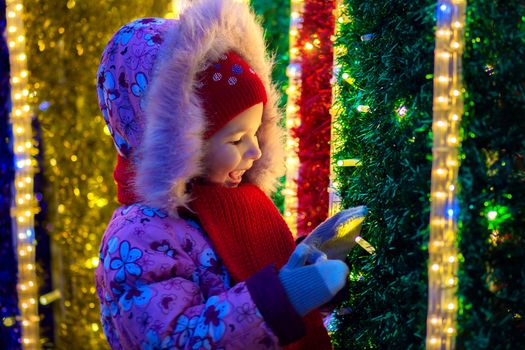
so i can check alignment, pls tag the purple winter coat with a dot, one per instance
(161, 286)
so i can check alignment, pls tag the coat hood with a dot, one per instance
(147, 89)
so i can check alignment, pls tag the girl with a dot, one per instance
(197, 256)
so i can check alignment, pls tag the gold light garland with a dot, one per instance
(334, 200)
(448, 108)
(292, 119)
(24, 207)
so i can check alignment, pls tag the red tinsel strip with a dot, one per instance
(314, 112)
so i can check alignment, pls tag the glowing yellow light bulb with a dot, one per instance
(433, 340)
(442, 99)
(294, 32)
(455, 117)
(452, 140)
(27, 341)
(16, 80)
(434, 320)
(438, 222)
(10, 14)
(435, 267)
(18, 7)
(452, 163)
(22, 57)
(441, 171)
(23, 74)
(450, 306)
(443, 79)
(451, 259)
(451, 187)
(22, 236)
(12, 44)
(450, 330)
(440, 195)
(442, 124)
(444, 55)
(457, 24)
(451, 281)
(455, 45)
(456, 93)
(308, 46)
(295, 15)
(364, 109)
(12, 29)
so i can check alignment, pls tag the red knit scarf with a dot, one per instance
(249, 233)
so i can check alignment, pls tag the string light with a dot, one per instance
(448, 106)
(293, 72)
(23, 209)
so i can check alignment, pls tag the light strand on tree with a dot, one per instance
(333, 197)
(447, 111)
(24, 207)
(292, 119)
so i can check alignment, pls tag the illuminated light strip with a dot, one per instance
(448, 107)
(334, 205)
(292, 119)
(23, 209)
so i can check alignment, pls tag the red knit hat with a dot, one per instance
(229, 87)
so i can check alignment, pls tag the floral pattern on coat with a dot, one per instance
(161, 286)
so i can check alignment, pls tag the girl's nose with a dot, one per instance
(254, 152)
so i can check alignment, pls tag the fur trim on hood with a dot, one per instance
(171, 148)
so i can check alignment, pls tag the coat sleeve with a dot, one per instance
(165, 290)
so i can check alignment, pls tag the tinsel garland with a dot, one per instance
(10, 330)
(314, 104)
(386, 99)
(492, 177)
(65, 41)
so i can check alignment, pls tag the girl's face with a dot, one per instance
(231, 151)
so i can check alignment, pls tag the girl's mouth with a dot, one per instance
(236, 176)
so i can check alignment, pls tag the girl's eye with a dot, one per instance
(238, 142)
